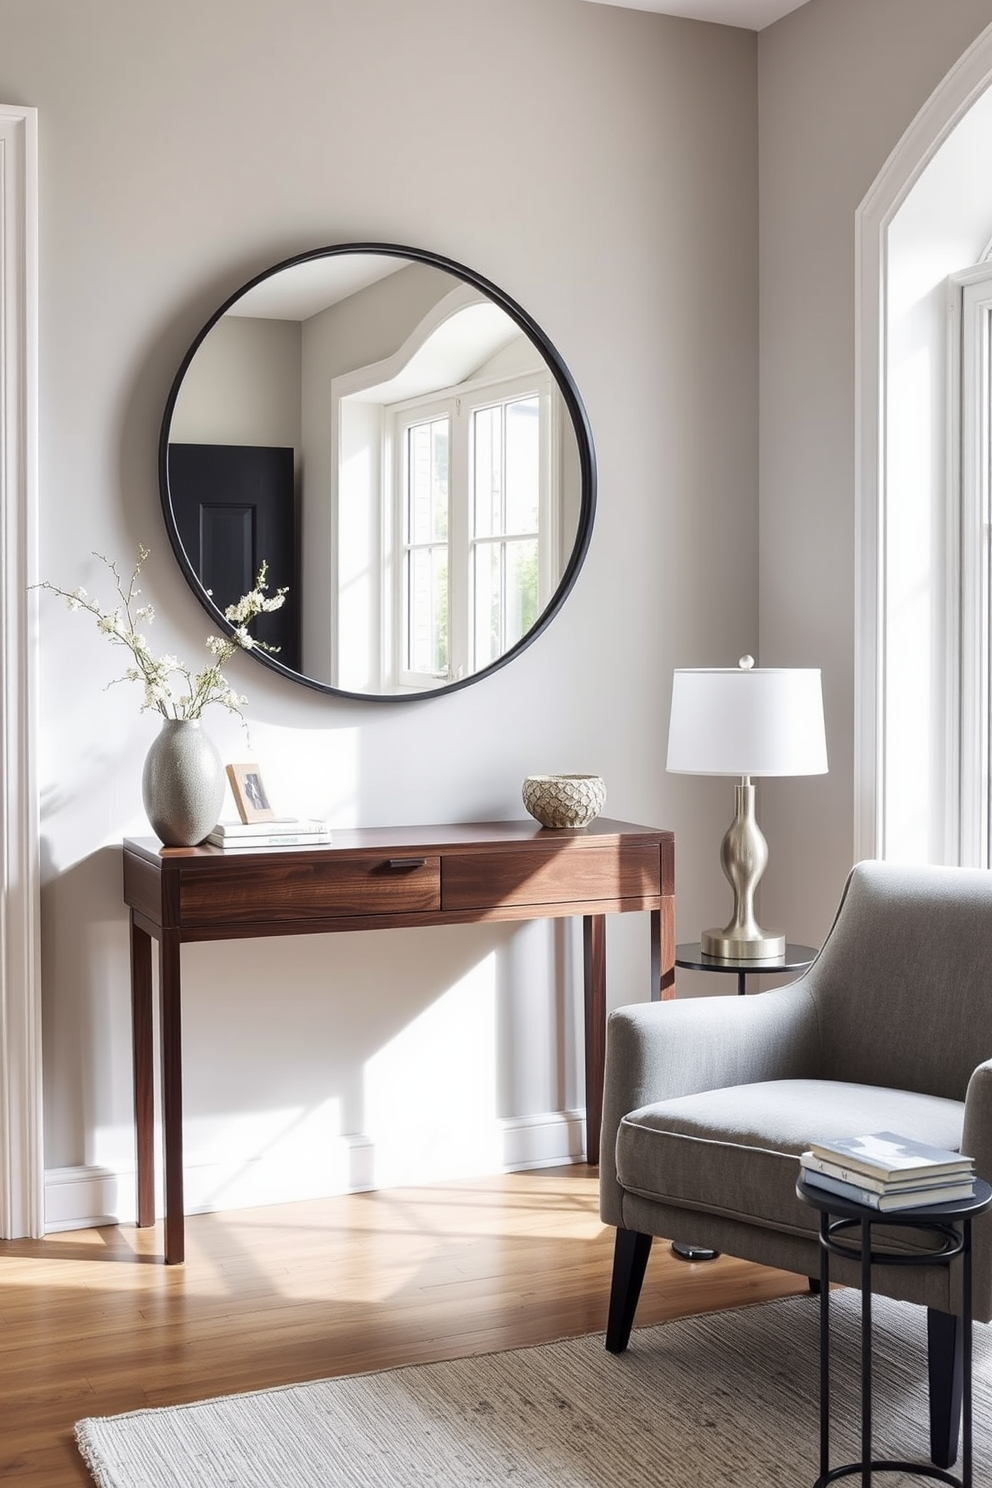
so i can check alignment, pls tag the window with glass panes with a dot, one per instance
(425, 546)
(473, 480)
(505, 502)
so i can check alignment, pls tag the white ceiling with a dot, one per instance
(752, 15)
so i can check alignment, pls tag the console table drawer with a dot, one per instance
(551, 875)
(288, 891)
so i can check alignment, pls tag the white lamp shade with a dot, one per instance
(728, 721)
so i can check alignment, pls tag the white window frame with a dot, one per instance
(400, 419)
(970, 556)
(459, 403)
(966, 81)
(22, 1187)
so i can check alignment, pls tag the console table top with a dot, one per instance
(444, 836)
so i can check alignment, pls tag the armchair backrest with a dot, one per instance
(903, 984)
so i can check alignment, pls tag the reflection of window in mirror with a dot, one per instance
(473, 509)
(447, 519)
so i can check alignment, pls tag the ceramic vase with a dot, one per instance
(182, 784)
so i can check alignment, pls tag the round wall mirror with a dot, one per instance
(402, 446)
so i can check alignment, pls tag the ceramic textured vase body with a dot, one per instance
(559, 801)
(182, 785)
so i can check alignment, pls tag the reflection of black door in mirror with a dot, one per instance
(235, 505)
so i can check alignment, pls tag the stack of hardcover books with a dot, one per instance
(888, 1171)
(280, 831)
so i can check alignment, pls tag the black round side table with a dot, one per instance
(795, 958)
(951, 1224)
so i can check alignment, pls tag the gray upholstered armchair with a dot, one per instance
(708, 1101)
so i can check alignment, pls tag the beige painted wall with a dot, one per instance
(839, 82)
(618, 202)
(600, 165)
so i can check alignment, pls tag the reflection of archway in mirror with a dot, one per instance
(435, 473)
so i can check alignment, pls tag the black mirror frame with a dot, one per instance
(570, 395)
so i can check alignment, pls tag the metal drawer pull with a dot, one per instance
(407, 862)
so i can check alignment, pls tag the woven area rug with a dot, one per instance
(708, 1402)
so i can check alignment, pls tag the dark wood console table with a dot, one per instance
(368, 879)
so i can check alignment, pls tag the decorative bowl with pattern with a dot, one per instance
(564, 800)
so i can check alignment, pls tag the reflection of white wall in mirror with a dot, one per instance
(468, 337)
(518, 357)
(355, 666)
(304, 289)
(242, 386)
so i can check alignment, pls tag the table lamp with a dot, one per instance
(745, 721)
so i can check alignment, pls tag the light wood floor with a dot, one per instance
(93, 1323)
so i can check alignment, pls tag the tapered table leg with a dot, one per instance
(144, 1081)
(663, 952)
(662, 972)
(657, 990)
(594, 958)
(172, 1095)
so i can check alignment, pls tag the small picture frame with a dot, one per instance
(250, 795)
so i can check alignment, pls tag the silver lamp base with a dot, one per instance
(743, 857)
(733, 948)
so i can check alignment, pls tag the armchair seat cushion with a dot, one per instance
(734, 1151)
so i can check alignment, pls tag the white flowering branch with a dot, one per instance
(169, 687)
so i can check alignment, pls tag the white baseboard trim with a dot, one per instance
(547, 1140)
(87, 1196)
(80, 1198)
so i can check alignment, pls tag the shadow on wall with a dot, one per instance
(86, 1015)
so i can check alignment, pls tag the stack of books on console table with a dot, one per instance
(279, 831)
(888, 1171)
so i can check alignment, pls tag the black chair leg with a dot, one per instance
(945, 1337)
(630, 1259)
(814, 1285)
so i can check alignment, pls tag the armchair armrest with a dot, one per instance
(976, 1141)
(659, 1050)
(976, 1135)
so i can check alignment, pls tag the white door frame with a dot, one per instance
(944, 109)
(21, 1138)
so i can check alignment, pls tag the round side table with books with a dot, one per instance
(950, 1223)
